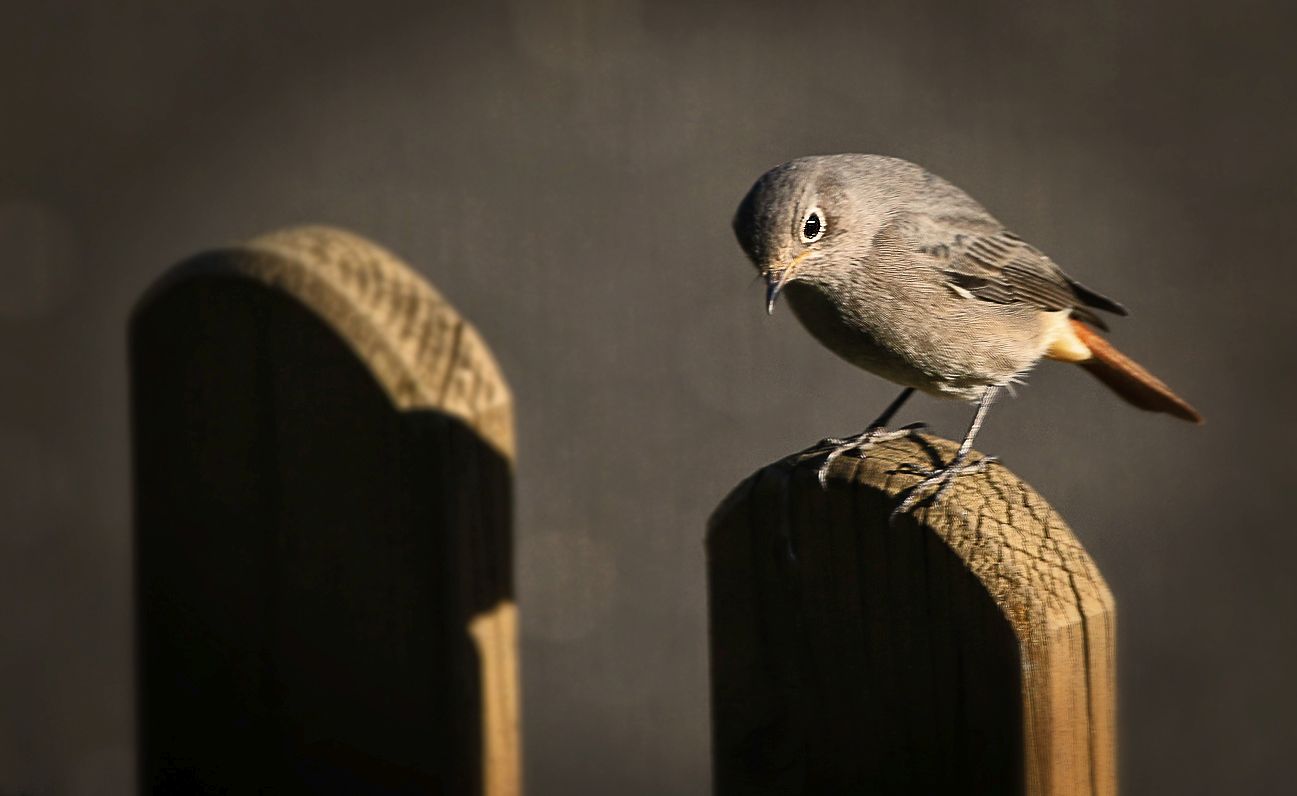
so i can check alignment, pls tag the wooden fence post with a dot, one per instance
(968, 649)
(323, 462)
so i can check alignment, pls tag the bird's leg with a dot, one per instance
(943, 477)
(876, 433)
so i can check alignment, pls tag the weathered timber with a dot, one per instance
(968, 648)
(323, 459)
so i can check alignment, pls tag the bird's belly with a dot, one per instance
(859, 346)
(947, 357)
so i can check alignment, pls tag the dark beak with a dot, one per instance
(774, 284)
(776, 278)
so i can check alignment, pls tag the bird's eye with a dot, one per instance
(813, 226)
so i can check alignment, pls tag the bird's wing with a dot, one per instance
(989, 263)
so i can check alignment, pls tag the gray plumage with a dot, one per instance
(909, 278)
(903, 274)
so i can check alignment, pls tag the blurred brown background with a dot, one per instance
(565, 172)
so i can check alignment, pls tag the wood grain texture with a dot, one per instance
(323, 467)
(967, 649)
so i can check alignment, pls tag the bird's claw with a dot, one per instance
(862, 442)
(851, 443)
(943, 478)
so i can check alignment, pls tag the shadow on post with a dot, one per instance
(323, 463)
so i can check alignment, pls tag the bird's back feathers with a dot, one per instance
(1001, 268)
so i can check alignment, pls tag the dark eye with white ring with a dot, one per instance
(813, 226)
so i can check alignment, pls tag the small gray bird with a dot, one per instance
(901, 273)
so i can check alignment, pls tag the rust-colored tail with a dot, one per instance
(1126, 378)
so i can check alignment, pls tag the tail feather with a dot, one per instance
(1128, 379)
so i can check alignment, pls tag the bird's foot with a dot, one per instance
(862, 442)
(940, 478)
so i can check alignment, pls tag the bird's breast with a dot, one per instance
(926, 337)
(854, 333)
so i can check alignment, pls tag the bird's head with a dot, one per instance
(810, 216)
